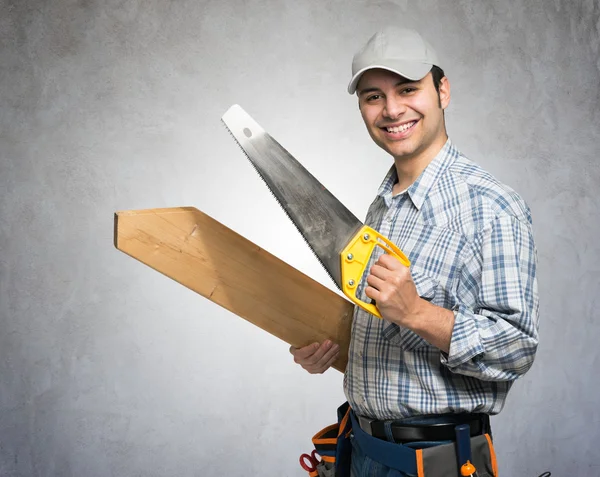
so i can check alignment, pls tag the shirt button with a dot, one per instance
(389, 218)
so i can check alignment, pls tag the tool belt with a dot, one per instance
(437, 461)
(334, 445)
(406, 432)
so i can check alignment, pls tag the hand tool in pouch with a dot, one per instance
(341, 242)
(463, 450)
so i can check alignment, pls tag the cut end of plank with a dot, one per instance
(132, 213)
(116, 231)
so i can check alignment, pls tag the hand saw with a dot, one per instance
(341, 242)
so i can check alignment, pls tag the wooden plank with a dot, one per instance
(202, 254)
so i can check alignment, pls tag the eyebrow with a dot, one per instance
(373, 89)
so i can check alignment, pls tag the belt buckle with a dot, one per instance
(366, 424)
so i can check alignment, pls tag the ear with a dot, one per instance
(444, 92)
(359, 104)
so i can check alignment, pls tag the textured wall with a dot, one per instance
(108, 368)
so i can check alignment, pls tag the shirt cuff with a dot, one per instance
(465, 343)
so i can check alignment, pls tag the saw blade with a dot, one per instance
(323, 221)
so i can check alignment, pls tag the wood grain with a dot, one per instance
(202, 254)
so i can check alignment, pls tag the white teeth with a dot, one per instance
(402, 128)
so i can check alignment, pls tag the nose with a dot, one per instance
(394, 108)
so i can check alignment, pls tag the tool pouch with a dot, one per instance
(440, 461)
(333, 445)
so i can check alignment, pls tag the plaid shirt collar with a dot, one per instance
(419, 189)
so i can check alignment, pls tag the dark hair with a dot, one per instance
(437, 73)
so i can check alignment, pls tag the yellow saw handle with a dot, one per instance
(355, 258)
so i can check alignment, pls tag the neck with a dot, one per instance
(409, 168)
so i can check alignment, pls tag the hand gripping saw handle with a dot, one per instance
(355, 258)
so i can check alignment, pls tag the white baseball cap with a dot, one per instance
(399, 50)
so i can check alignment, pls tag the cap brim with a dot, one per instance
(409, 70)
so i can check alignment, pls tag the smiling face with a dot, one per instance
(404, 117)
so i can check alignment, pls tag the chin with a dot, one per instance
(400, 152)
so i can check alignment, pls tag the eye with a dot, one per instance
(373, 97)
(408, 90)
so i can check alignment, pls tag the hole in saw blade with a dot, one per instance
(247, 132)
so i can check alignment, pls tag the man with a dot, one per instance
(461, 324)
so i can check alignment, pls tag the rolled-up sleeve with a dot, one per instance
(495, 333)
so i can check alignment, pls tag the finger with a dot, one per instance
(390, 262)
(332, 360)
(304, 352)
(372, 293)
(375, 282)
(310, 355)
(333, 351)
(321, 369)
(325, 362)
(380, 271)
(316, 365)
(319, 356)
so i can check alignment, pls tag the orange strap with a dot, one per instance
(492, 455)
(344, 422)
(420, 467)
(317, 439)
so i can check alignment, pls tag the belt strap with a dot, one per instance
(478, 423)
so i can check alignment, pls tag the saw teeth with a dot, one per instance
(280, 204)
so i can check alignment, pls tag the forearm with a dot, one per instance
(433, 323)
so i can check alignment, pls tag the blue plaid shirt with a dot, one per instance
(470, 244)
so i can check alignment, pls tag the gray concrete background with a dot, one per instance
(107, 368)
